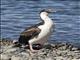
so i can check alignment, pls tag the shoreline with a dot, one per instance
(62, 51)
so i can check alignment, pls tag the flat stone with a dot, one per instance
(59, 58)
(11, 50)
(75, 59)
(74, 49)
(4, 57)
(49, 58)
(16, 58)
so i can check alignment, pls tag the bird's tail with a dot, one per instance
(16, 43)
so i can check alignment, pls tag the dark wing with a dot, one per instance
(28, 34)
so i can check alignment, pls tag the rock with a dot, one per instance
(59, 58)
(48, 52)
(15, 42)
(16, 58)
(11, 50)
(75, 59)
(49, 58)
(5, 57)
(74, 49)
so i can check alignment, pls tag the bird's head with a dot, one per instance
(46, 11)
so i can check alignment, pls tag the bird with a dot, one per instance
(38, 33)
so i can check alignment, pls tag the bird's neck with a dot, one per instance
(45, 18)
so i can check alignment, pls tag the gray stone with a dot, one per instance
(75, 59)
(74, 49)
(11, 50)
(4, 57)
(16, 58)
(59, 58)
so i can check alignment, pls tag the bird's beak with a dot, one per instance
(54, 10)
(51, 10)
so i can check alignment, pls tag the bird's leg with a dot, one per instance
(31, 48)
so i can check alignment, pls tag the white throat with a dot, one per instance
(45, 18)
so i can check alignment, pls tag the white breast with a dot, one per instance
(45, 31)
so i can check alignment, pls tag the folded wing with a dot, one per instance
(28, 34)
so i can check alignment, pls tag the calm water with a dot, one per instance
(18, 14)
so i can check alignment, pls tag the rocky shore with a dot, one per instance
(60, 51)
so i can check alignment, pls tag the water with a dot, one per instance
(16, 15)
